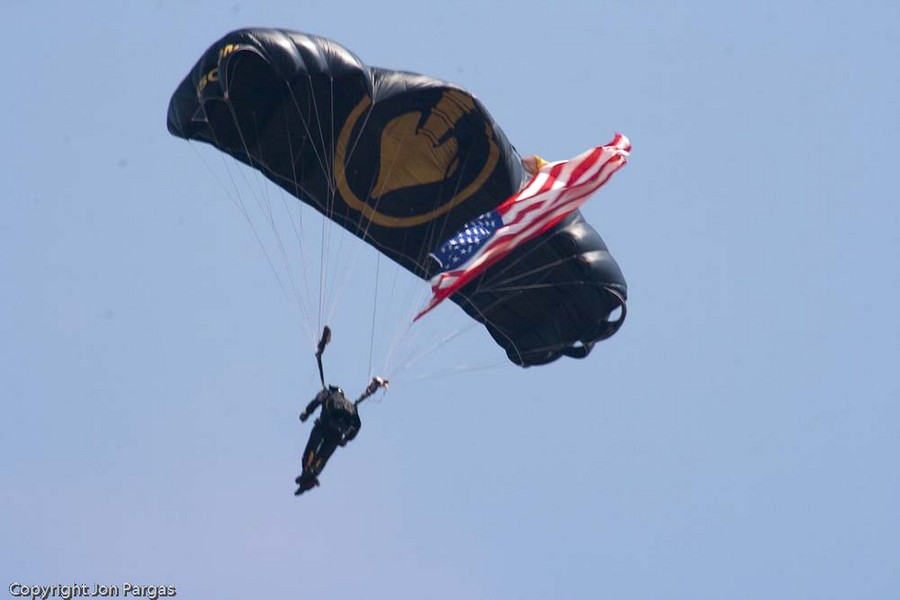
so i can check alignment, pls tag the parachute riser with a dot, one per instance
(323, 341)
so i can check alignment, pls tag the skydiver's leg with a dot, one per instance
(307, 479)
(312, 446)
(315, 463)
(329, 444)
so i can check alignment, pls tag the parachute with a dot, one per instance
(402, 161)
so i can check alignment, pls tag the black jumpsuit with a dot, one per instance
(338, 424)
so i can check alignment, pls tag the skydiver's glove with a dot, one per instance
(343, 442)
(376, 383)
(304, 416)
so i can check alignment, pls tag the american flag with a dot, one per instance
(554, 192)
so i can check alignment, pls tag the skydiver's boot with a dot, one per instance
(304, 483)
(303, 477)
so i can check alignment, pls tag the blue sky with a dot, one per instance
(736, 439)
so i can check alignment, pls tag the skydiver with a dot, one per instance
(336, 426)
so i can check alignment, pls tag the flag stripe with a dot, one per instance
(562, 207)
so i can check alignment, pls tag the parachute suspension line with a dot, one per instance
(298, 229)
(401, 327)
(412, 359)
(443, 234)
(455, 371)
(533, 286)
(405, 336)
(394, 367)
(554, 347)
(378, 193)
(486, 320)
(406, 332)
(438, 233)
(511, 263)
(400, 334)
(415, 357)
(278, 238)
(239, 204)
(328, 261)
(403, 323)
(374, 311)
(225, 188)
(329, 175)
(236, 199)
(493, 285)
(309, 135)
(497, 281)
(414, 302)
(344, 275)
(362, 226)
(328, 208)
(330, 288)
(331, 157)
(265, 208)
(322, 267)
(260, 192)
(464, 368)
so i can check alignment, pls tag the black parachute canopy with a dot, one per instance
(402, 161)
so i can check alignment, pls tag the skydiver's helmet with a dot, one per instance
(334, 388)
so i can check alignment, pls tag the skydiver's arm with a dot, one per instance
(313, 405)
(377, 382)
